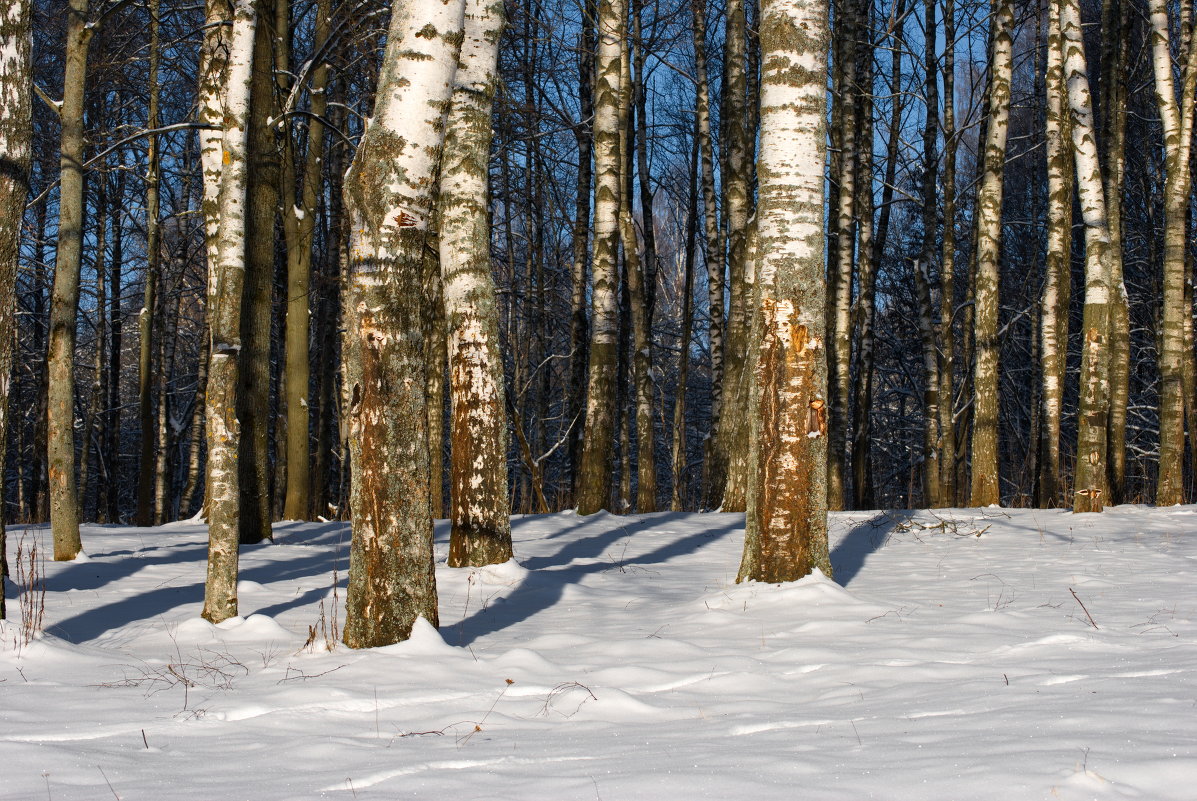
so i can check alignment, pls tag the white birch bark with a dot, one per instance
(1053, 334)
(389, 200)
(226, 281)
(1093, 415)
(594, 480)
(985, 486)
(786, 533)
(16, 120)
(479, 511)
(1177, 119)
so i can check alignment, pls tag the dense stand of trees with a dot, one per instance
(330, 258)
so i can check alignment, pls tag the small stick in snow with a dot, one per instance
(1082, 603)
(144, 740)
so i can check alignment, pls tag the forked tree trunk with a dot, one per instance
(985, 477)
(16, 121)
(389, 200)
(1094, 410)
(479, 511)
(225, 283)
(786, 531)
(597, 463)
(64, 304)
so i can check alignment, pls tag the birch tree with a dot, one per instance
(985, 489)
(481, 523)
(225, 283)
(1093, 415)
(786, 527)
(1177, 119)
(597, 461)
(1053, 332)
(389, 200)
(15, 144)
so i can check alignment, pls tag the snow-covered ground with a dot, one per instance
(967, 654)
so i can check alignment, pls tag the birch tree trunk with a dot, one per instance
(839, 333)
(712, 235)
(786, 526)
(1177, 119)
(597, 463)
(677, 500)
(479, 511)
(16, 130)
(225, 284)
(1093, 415)
(1053, 335)
(985, 477)
(64, 303)
(947, 269)
(389, 200)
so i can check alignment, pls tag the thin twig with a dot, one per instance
(1082, 603)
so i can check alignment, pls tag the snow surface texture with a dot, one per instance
(619, 660)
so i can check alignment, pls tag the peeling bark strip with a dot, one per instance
(225, 283)
(481, 517)
(15, 143)
(389, 199)
(786, 527)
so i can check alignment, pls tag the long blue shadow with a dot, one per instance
(545, 584)
(849, 555)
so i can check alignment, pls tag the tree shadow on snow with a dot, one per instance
(849, 554)
(548, 576)
(191, 558)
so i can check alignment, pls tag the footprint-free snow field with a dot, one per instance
(961, 654)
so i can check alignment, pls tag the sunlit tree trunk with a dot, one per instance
(225, 283)
(16, 120)
(1094, 410)
(1053, 334)
(985, 478)
(1177, 119)
(594, 480)
(389, 200)
(479, 511)
(786, 530)
(64, 303)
